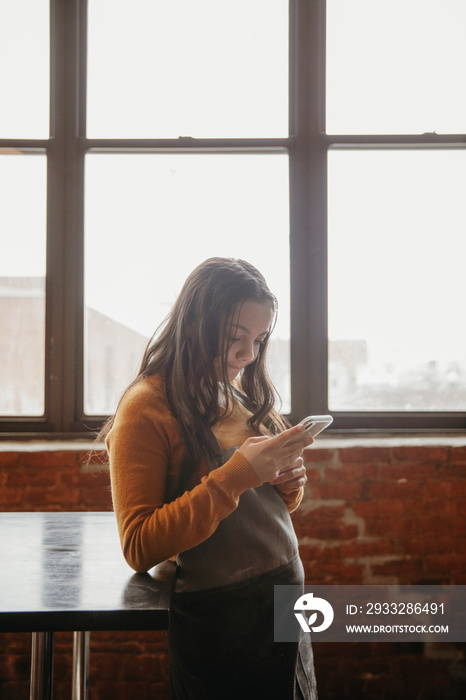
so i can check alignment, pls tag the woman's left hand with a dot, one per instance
(293, 477)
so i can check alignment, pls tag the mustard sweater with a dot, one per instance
(146, 450)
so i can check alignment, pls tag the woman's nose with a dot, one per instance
(246, 352)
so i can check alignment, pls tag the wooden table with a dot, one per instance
(65, 571)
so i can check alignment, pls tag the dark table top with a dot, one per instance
(65, 571)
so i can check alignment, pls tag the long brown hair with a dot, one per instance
(183, 351)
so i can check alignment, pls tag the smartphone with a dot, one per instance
(313, 426)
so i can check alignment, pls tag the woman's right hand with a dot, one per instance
(268, 456)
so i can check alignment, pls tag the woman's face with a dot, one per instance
(251, 325)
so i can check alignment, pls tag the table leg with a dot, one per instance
(41, 666)
(80, 665)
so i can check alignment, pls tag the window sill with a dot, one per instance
(325, 441)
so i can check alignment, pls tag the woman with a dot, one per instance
(200, 472)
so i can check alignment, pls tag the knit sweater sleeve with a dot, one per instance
(292, 497)
(142, 444)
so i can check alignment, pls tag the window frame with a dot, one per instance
(307, 146)
(386, 421)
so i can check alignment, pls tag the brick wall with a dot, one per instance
(380, 513)
(385, 515)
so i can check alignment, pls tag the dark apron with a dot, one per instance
(221, 629)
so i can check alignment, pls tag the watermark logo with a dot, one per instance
(307, 603)
(375, 613)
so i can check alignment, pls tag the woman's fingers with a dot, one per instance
(292, 478)
(269, 457)
(293, 440)
(292, 468)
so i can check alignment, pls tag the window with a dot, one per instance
(396, 216)
(396, 343)
(170, 74)
(22, 284)
(322, 141)
(152, 218)
(24, 57)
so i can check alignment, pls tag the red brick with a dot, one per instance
(321, 512)
(327, 530)
(448, 563)
(399, 528)
(11, 497)
(377, 455)
(336, 490)
(395, 490)
(351, 472)
(68, 478)
(38, 477)
(348, 574)
(381, 508)
(458, 454)
(316, 454)
(323, 552)
(357, 548)
(9, 460)
(428, 544)
(453, 527)
(16, 479)
(97, 499)
(425, 453)
(51, 459)
(313, 475)
(365, 509)
(63, 498)
(452, 470)
(411, 470)
(447, 507)
(439, 489)
(63, 642)
(398, 567)
(459, 489)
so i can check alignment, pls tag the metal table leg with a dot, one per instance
(79, 690)
(41, 666)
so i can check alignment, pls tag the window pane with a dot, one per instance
(22, 284)
(210, 68)
(396, 66)
(397, 283)
(24, 69)
(149, 220)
